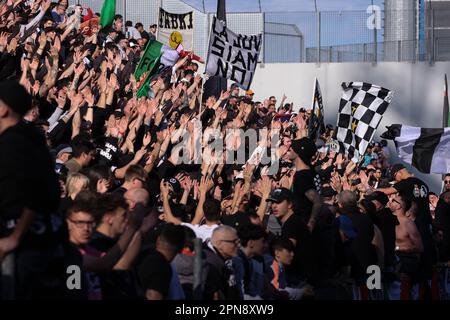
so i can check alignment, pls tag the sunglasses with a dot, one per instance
(235, 241)
(446, 181)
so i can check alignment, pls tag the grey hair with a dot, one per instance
(220, 230)
(347, 199)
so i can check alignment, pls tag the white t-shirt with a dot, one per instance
(203, 231)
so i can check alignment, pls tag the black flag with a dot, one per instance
(215, 85)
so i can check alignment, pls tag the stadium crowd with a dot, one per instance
(94, 178)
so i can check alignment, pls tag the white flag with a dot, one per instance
(232, 56)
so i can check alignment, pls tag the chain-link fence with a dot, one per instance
(371, 35)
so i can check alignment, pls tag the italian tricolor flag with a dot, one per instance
(155, 55)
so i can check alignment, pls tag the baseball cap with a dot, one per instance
(279, 195)
(396, 168)
(63, 148)
(176, 187)
(305, 148)
(379, 196)
(15, 97)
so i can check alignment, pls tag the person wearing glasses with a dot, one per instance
(446, 183)
(219, 251)
(408, 243)
(81, 223)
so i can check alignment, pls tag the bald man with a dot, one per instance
(135, 196)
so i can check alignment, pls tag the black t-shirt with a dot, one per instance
(115, 284)
(387, 225)
(303, 182)
(28, 180)
(303, 264)
(101, 242)
(363, 251)
(220, 276)
(154, 273)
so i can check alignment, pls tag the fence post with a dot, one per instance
(399, 50)
(364, 52)
(124, 11)
(432, 40)
(318, 36)
(330, 54)
(197, 284)
(375, 56)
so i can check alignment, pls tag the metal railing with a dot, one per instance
(308, 36)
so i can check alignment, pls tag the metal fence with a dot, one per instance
(309, 36)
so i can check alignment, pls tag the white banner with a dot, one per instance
(175, 29)
(232, 56)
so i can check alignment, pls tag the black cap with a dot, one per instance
(15, 97)
(396, 168)
(279, 195)
(379, 196)
(176, 186)
(305, 148)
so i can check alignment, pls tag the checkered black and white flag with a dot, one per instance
(360, 111)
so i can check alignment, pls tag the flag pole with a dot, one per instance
(446, 118)
(311, 119)
(445, 115)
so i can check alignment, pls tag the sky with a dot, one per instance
(286, 5)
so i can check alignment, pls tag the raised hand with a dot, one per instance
(139, 154)
(24, 64)
(147, 139)
(266, 186)
(89, 97)
(80, 69)
(142, 108)
(34, 64)
(225, 95)
(351, 165)
(164, 189)
(158, 117)
(54, 50)
(340, 159)
(3, 39)
(122, 125)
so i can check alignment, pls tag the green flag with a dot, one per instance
(151, 54)
(107, 14)
(147, 67)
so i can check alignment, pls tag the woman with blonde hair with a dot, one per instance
(75, 183)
